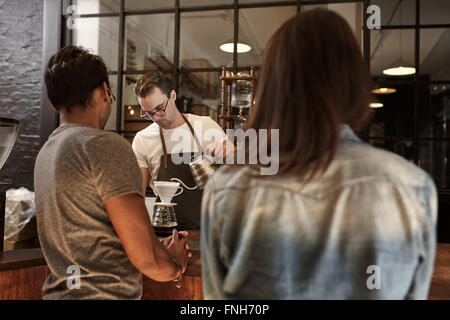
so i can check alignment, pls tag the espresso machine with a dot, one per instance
(9, 128)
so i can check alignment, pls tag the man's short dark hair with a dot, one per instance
(155, 79)
(72, 75)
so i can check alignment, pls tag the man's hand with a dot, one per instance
(220, 150)
(178, 248)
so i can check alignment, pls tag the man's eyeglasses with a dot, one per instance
(112, 98)
(159, 111)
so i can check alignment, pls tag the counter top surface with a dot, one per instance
(439, 289)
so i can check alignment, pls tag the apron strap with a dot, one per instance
(199, 146)
(161, 135)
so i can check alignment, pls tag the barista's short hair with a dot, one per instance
(72, 75)
(155, 79)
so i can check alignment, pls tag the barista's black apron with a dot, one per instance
(188, 202)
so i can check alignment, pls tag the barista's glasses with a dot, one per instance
(159, 111)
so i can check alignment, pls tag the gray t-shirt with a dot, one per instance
(76, 171)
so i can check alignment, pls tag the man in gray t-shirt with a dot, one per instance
(77, 170)
(93, 225)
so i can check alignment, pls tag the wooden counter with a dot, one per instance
(22, 273)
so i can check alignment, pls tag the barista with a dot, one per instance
(172, 136)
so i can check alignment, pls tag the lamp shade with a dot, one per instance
(9, 128)
(399, 69)
(375, 105)
(228, 46)
(384, 90)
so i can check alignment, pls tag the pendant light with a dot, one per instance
(228, 46)
(384, 90)
(375, 105)
(380, 88)
(401, 67)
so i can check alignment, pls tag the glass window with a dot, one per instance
(149, 41)
(99, 36)
(435, 12)
(203, 3)
(256, 32)
(391, 48)
(435, 53)
(132, 5)
(111, 123)
(434, 157)
(401, 12)
(199, 93)
(96, 6)
(434, 112)
(201, 34)
(396, 117)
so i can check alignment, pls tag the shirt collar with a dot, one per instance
(347, 133)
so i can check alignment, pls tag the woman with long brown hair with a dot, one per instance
(340, 219)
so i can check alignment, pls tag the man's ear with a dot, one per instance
(104, 94)
(173, 95)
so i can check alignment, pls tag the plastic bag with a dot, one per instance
(20, 209)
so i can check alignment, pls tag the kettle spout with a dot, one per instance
(182, 183)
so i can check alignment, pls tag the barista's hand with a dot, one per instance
(178, 248)
(219, 150)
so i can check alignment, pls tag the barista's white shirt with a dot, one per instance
(148, 148)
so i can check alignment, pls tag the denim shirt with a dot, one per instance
(366, 229)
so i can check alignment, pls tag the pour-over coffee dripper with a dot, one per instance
(166, 190)
(164, 218)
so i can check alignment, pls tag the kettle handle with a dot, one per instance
(182, 183)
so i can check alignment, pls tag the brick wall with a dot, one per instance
(20, 83)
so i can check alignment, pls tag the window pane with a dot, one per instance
(203, 3)
(149, 4)
(256, 32)
(149, 42)
(111, 123)
(434, 157)
(201, 34)
(396, 117)
(435, 12)
(391, 48)
(199, 93)
(434, 112)
(99, 36)
(435, 53)
(397, 12)
(96, 6)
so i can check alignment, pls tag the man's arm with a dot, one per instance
(130, 219)
(144, 172)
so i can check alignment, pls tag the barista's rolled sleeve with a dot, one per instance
(138, 152)
(113, 166)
